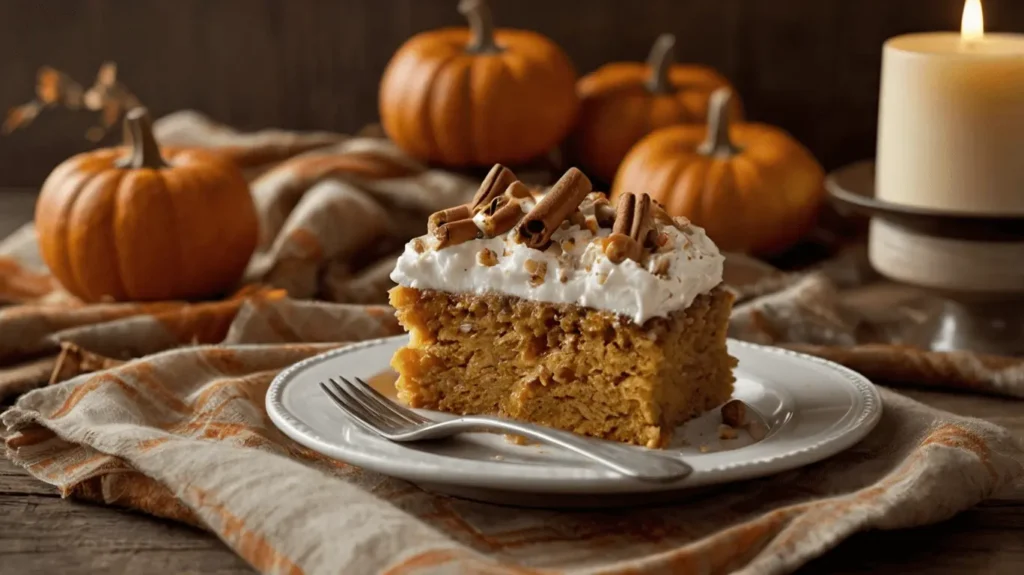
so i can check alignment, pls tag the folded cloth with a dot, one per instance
(159, 406)
(183, 435)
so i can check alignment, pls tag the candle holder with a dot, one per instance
(971, 262)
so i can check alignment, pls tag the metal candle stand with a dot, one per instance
(973, 263)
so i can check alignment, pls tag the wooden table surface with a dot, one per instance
(42, 533)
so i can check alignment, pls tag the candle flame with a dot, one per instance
(972, 26)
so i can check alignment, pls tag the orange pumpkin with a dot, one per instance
(139, 223)
(751, 186)
(478, 96)
(622, 102)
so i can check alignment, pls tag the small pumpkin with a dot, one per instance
(140, 223)
(752, 187)
(478, 96)
(622, 102)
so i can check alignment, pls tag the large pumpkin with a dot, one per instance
(139, 223)
(478, 96)
(622, 102)
(751, 186)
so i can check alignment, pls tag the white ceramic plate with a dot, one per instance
(817, 409)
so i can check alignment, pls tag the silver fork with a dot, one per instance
(379, 415)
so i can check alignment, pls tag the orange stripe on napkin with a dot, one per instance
(466, 563)
(956, 436)
(252, 546)
(209, 322)
(29, 436)
(18, 284)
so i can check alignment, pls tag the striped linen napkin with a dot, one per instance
(159, 407)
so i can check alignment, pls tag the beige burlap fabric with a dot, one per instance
(143, 411)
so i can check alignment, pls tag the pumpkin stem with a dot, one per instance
(481, 26)
(660, 60)
(718, 143)
(145, 153)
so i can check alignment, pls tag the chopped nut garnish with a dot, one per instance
(727, 432)
(662, 240)
(601, 278)
(568, 245)
(681, 222)
(537, 270)
(576, 218)
(618, 247)
(591, 224)
(418, 246)
(734, 413)
(661, 266)
(563, 275)
(487, 257)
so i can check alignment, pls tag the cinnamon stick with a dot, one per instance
(438, 219)
(624, 214)
(565, 196)
(495, 184)
(641, 218)
(519, 190)
(455, 233)
(503, 220)
(495, 205)
(629, 232)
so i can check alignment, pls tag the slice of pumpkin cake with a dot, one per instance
(564, 311)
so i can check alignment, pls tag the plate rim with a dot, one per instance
(832, 443)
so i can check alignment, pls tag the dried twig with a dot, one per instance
(56, 89)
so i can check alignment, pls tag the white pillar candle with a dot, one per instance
(951, 120)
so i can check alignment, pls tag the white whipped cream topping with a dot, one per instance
(577, 271)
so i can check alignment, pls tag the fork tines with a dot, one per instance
(369, 407)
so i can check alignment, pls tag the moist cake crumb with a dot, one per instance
(628, 344)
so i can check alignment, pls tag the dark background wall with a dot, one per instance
(810, 66)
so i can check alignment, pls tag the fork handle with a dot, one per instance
(647, 465)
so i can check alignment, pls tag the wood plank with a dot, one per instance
(41, 534)
(1005, 412)
(811, 67)
(16, 481)
(983, 540)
